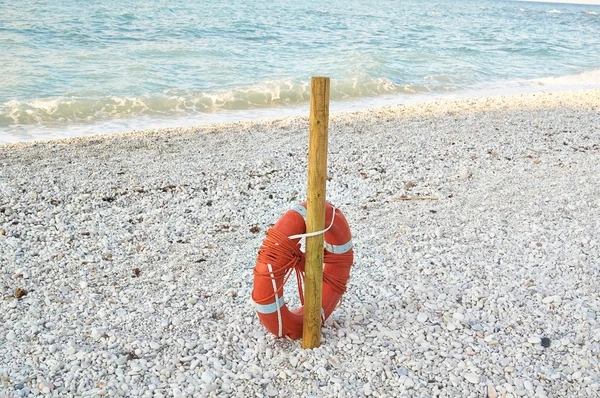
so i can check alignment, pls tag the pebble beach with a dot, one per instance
(126, 261)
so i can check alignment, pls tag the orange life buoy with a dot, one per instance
(279, 256)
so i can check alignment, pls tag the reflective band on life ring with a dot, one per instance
(279, 256)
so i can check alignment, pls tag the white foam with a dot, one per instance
(589, 2)
(553, 11)
(587, 78)
(267, 94)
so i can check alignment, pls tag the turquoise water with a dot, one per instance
(80, 68)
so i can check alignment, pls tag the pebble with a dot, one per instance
(208, 377)
(272, 391)
(547, 299)
(402, 372)
(46, 388)
(190, 345)
(422, 317)
(210, 388)
(472, 378)
(491, 391)
(458, 316)
(96, 334)
(154, 345)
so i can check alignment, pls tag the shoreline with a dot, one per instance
(136, 251)
(435, 106)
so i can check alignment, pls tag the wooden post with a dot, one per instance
(315, 210)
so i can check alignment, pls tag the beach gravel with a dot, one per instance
(476, 230)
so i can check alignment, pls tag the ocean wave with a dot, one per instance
(587, 78)
(172, 102)
(553, 11)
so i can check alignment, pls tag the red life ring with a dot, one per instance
(280, 256)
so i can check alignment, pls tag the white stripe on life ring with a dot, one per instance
(339, 249)
(300, 210)
(269, 308)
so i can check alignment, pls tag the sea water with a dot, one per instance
(76, 68)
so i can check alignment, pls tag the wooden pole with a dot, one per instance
(315, 210)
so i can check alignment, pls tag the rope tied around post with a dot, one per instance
(286, 257)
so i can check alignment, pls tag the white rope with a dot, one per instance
(317, 232)
(279, 320)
